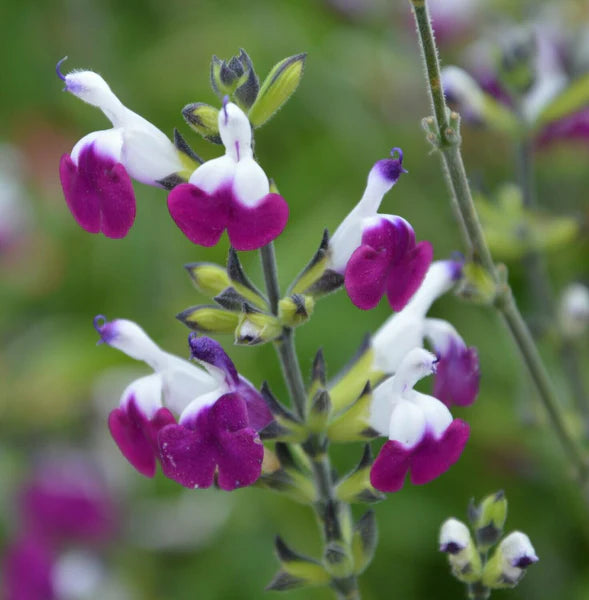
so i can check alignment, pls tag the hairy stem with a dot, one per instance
(449, 145)
(327, 507)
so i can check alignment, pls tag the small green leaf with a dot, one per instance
(573, 98)
(277, 88)
(204, 119)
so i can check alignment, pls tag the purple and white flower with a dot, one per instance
(220, 413)
(96, 176)
(377, 254)
(517, 553)
(457, 373)
(423, 438)
(230, 193)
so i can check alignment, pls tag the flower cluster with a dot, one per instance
(201, 420)
(220, 413)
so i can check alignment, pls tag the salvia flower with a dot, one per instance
(507, 565)
(220, 413)
(377, 254)
(457, 373)
(96, 176)
(423, 438)
(230, 193)
(454, 536)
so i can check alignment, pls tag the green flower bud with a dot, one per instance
(509, 561)
(295, 310)
(285, 427)
(356, 487)
(491, 515)
(476, 284)
(204, 119)
(351, 382)
(209, 319)
(242, 284)
(316, 279)
(256, 327)
(235, 77)
(364, 542)
(337, 559)
(464, 558)
(277, 88)
(319, 412)
(208, 278)
(353, 424)
(296, 570)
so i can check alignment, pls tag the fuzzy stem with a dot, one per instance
(345, 588)
(449, 145)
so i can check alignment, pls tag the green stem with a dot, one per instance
(449, 141)
(477, 591)
(345, 588)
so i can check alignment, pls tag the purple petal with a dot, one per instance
(427, 460)
(210, 351)
(221, 440)
(99, 193)
(405, 276)
(431, 457)
(390, 467)
(258, 413)
(200, 216)
(186, 457)
(136, 435)
(251, 227)
(366, 276)
(457, 376)
(27, 570)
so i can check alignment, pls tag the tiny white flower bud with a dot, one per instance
(574, 310)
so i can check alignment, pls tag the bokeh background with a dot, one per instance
(362, 93)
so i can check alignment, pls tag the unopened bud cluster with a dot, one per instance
(468, 554)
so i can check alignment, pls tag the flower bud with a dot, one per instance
(282, 81)
(295, 310)
(489, 520)
(204, 119)
(208, 278)
(456, 541)
(508, 563)
(356, 487)
(209, 319)
(364, 541)
(354, 424)
(296, 570)
(256, 327)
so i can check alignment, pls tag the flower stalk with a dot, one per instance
(327, 508)
(448, 143)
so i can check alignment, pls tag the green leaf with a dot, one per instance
(572, 99)
(277, 88)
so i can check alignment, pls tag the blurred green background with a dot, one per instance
(362, 93)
